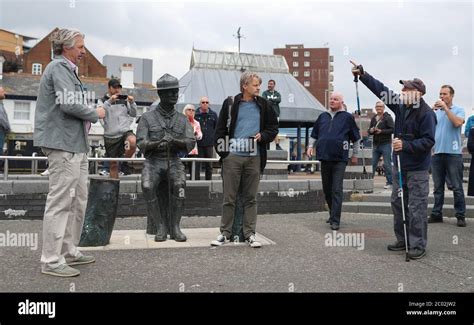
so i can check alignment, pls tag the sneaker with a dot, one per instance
(221, 240)
(45, 173)
(461, 222)
(104, 173)
(84, 259)
(416, 253)
(397, 246)
(432, 219)
(388, 187)
(62, 270)
(334, 226)
(252, 242)
(121, 173)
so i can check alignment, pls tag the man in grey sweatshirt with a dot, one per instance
(119, 139)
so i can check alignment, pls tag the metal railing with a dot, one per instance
(34, 162)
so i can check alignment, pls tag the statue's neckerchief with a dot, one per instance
(166, 119)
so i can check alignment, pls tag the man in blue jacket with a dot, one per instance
(332, 132)
(207, 118)
(415, 125)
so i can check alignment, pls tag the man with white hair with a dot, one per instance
(332, 133)
(61, 128)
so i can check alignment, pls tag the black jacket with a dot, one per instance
(208, 123)
(268, 127)
(386, 125)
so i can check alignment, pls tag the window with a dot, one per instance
(307, 74)
(295, 54)
(295, 65)
(37, 68)
(306, 63)
(21, 111)
(296, 74)
(306, 54)
(307, 84)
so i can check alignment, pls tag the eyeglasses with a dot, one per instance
(204, 102)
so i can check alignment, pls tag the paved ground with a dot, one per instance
(299, 260)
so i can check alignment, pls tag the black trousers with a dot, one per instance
(204, 152)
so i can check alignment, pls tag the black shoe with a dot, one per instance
(278, 147)
(125, 169)
(461, 222)
(334, 226)
(416, 253)
(432, 219)
(397, 246)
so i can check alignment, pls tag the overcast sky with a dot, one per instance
(432, 40)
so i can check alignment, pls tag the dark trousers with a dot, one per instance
(415, 199)
(204, 152)
(442, 167)
(332, 174)
(237, 171)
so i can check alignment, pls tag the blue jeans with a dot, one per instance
(384, 150)
(443, 166)
(332, 175)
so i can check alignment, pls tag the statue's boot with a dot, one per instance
(176, 214)
(153, 210)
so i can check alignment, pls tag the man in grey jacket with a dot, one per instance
(62, 122)
(4, 123)
(119, 139)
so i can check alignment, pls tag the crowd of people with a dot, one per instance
(421, 138)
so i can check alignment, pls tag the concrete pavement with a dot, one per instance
(300, 260)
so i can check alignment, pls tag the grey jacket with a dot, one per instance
(61, 112)
(118, 118)
(4, 123)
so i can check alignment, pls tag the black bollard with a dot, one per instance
(101, 211)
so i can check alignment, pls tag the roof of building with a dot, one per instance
(216, 75)
(25, 86)
(25, 38)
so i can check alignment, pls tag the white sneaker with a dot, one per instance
(221, 240)
(104, 173)
(45, 173)
(252, 242)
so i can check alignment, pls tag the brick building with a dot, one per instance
(311, 67)
(38, 57)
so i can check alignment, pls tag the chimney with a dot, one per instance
(126, 75)
(2, 59)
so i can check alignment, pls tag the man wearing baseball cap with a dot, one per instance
(119, 139)
(414, 132)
